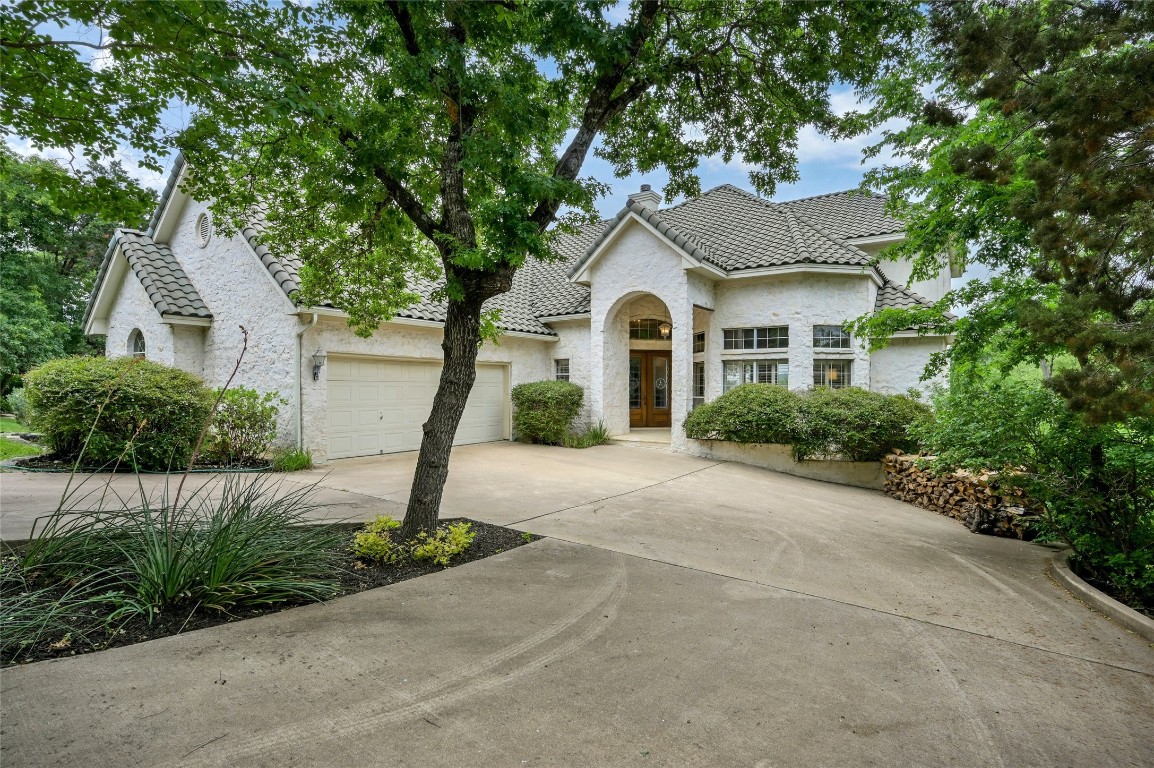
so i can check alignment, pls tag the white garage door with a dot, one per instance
(378, 406)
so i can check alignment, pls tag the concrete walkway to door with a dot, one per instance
(682, 612)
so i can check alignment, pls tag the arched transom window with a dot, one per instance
(649, 329)
(136, 346)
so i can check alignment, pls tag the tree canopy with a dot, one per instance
(1034, 157)
(56, 226)
(386, 142)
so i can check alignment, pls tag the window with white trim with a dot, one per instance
(561, 369)
(833, 373)
(699, 342)
(136, 346)
(830, 337)
(772, 337)
(734, 373)
(698, 383)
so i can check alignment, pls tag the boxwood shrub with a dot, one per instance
(151, 413)
(854, 424)
(751, 413)
(544, 410)
(850, 423)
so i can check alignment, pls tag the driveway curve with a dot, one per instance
(680, 612)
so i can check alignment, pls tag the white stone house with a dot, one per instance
(651, 312)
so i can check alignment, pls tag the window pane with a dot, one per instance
(747, 338)
(561, 369)
(732, 337)
(660, 382)
(698, 381)
(782, 378)
(830, 337)
(765, 373)
(731, 376)
(832, 373)
(699, 342)
(634, 382)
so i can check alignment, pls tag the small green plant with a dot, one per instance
(444, 544)
(526, 537)
(543, 410)
(149, 414)
(292, 460)
(375, 544)
(243, 427)
(596, 434)
(18, 405)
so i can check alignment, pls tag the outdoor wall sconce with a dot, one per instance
(318, 363)
(664, 329)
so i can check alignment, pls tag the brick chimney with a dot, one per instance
(647, 197)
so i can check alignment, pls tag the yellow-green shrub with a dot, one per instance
(448, 541)
(374, 543)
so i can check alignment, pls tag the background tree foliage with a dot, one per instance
(391, 142)
(55, 230)
(1035, 156)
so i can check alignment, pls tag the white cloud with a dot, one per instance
(75, 159)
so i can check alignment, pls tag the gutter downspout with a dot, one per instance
(300, 384)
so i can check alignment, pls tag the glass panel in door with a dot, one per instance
(634, 382)
(660, 382)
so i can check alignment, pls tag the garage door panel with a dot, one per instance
(379, 406)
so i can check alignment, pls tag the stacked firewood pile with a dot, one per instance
(974, 499)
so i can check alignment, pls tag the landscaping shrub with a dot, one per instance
(243, 427)
(149, 414)
(594, 434)
(18, 405)
(1094, 481)
(751, 413)
(292, 460)
(446, 542)
(854, 424)
(236, 543)
(544, 410)
(374, 543)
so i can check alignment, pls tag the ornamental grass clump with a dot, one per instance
(236, 542)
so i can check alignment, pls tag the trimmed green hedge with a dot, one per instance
(151, 413)
(851, 423)
(751, 413)
(543, 410)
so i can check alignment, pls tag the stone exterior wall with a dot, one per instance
(899, 271)
(799, 301)
(899, 366)
(637, 264)
(133, 310)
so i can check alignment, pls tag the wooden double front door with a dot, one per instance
(650, 388)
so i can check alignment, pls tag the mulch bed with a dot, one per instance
(351, 575)
(51, 462)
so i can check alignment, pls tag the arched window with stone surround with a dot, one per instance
(136, 346)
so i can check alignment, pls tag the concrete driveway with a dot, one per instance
(682, 612)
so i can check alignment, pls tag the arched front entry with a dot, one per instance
(638, 357)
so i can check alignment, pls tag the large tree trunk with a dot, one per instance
(461, 344)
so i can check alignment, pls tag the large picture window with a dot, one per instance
(772, 337)
(830, 337)
(832, 373)
(738, 372)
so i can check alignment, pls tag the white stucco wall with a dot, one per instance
(635, 263)
(133, 309)
(899, 366)
(573, 344)
(899, 271)
(528, 360)
(799, 301)
(239, 292)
